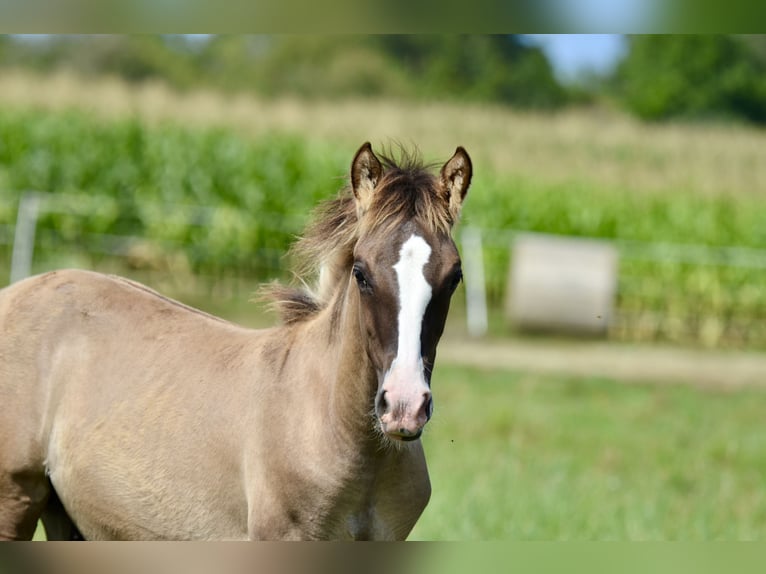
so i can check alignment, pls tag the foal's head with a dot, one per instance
(405, 269)
(385, 244)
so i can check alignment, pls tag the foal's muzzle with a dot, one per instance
(402, 416)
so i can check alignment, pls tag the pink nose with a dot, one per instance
(403, 417)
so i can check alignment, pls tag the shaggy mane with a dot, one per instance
(324, 254)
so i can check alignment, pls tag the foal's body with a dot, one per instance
(236, 470)
(126, 415)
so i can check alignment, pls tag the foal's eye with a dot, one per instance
(361, 279)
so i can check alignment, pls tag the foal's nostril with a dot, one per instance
(429, 407)
(382, 405)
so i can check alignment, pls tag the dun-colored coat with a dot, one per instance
(127, 415)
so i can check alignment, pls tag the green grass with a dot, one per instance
(524, 457)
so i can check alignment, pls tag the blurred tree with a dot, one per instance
(693, 76)
(133, 57)
(228, 61)
(470, 68)
(328, 66)
(136, 58)
(475, 68)
(496, 68)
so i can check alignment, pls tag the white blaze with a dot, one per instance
(414, 296)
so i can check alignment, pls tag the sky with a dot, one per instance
(573, 54)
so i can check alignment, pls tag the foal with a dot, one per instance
(127, 415)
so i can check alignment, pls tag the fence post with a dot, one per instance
(24, 236)
(475, 288)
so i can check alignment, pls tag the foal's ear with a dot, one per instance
(365, 174)
(455, 179)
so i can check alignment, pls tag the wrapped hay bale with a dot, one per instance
(561, 285)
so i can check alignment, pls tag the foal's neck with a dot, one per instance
(353, 381)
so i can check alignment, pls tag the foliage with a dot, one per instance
(693, 76)
(229, 205)
(662, 77)
(479, 68)
(152, 175)
(135, 57)
(471, 68)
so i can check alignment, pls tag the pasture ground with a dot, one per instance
(520, 456)
(624, 362)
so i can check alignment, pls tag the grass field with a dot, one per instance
(525, 457)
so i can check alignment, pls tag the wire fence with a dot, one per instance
(684, 293)
(696, 294)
